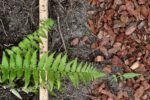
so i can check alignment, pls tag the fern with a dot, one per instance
(21, 62)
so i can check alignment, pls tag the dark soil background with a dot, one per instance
(17, 19)
(71, 17)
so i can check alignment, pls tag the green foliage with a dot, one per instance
(124, 76)
(55, 67)
(22, 63)
(130, 75)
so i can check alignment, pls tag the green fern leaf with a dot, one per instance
(62, 63)
(12, 67)
(26, 42)
(41, 32)
(27, 69)
(43, 77)
(5, 67)
(36, 77)
(22, 45)
(84, 67)
(16, 49)
(74, 66)
(57, 77)
(68, 67)
(33, 60)
(74, 79)
(19, 61)
(56, 62)
(9, 52)
(51, 80)
(49, 61)
(42, 61)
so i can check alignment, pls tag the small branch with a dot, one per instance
(61, 35)
(3, 27)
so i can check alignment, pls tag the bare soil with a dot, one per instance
(17, 19)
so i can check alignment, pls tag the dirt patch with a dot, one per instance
(17, 19)
(73, 24)
(71, 17)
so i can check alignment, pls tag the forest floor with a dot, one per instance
(112, 34)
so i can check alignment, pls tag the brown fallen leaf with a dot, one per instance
(131, 29)
(138, 93)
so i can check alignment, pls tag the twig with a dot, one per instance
(3, 27)
(60, 32)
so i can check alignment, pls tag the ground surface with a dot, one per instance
(113, 34)
(17, 19)
(122, 28)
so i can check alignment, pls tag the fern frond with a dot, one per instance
(55, 67)
(21, 62)
(32, 40)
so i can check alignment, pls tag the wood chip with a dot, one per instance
(99, 59)
(130, 30)
(135, 65)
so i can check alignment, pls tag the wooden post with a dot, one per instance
(43, 15)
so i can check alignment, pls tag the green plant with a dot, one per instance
(22, 63)
(124, 76)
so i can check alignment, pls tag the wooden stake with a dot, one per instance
(43, 15)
